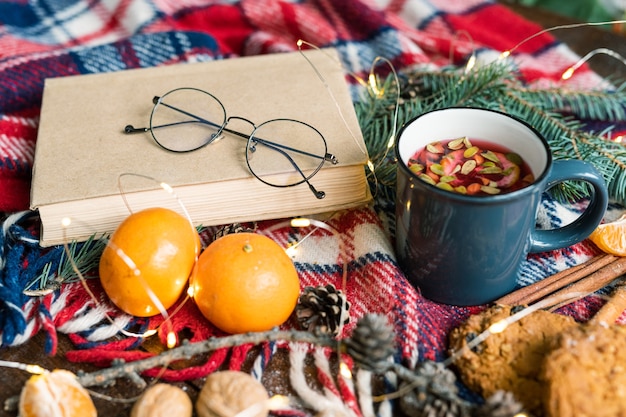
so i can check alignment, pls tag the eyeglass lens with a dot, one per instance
(285, 152)
(185, 119)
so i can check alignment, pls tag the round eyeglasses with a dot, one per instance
(279, 152)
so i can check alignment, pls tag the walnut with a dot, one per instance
(227, 393)
(163, 400)
(55, 394)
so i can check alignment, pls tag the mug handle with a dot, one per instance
(581, 228)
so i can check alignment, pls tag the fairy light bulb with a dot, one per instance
(344, 371)
(149, 333)
(291, 250)
(498, 327)
(166, 187)
(30, 368)
(568, 73)
(372, 81)
(172, 340)
(471, 63)
(191, 291)
(36, 369)
(300, 222)
(605, 51)
(278, 402)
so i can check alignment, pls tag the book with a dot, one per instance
(87, 170)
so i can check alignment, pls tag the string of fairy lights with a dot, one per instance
(374, 87)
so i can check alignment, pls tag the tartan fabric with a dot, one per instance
(47, 38)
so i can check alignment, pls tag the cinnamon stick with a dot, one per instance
(596, 281)
(613, 308)
(538, 290)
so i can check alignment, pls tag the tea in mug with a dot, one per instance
(471, 166)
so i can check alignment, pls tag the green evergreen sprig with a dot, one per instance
(83, 257)
(559, 114)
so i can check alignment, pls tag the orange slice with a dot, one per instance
(611, 237)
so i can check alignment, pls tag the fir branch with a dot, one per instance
(85, 255)
(568, 139)
(596, 105)
(452, 88)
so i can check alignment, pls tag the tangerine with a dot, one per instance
(611, 237)
(245, 282)
(55, 394)
(150, 254)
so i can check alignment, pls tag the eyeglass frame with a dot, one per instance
(252, 141)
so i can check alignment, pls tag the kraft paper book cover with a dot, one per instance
(82, 152)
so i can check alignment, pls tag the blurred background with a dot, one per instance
(584, 10)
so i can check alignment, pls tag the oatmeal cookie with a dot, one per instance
(510, 360)
(585, 373)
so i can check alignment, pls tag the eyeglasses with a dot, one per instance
(187, 119)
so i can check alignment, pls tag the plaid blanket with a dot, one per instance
(45, 38)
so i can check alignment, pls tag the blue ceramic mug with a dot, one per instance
(467, 250)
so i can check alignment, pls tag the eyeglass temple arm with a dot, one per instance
(157, 100)
(131, 129)
(318, 194)
(327, 156)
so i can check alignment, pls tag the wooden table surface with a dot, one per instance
(581, 40)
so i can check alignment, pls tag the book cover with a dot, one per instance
(83, 154)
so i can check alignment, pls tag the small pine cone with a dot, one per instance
(319, 309)
(233, 228)
(433, 393)
(443, 408)
(441, 380)
(412, 85)
(372, 343)
(500, 404)
(434, 407)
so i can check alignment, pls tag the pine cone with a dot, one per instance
(233, 228)
(319, 309)
(500, 404)
(443, 408)
(371, 343)
(434, 393)
(412, 86)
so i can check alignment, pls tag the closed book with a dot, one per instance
(89, 171)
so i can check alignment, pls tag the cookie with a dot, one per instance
(585, 373)
(510, 360)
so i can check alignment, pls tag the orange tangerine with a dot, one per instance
(150, 254)
(611, 237)
(55, 394)
(245, 282)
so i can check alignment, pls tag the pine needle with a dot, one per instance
(86, 257)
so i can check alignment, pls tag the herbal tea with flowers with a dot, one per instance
(312, 315)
